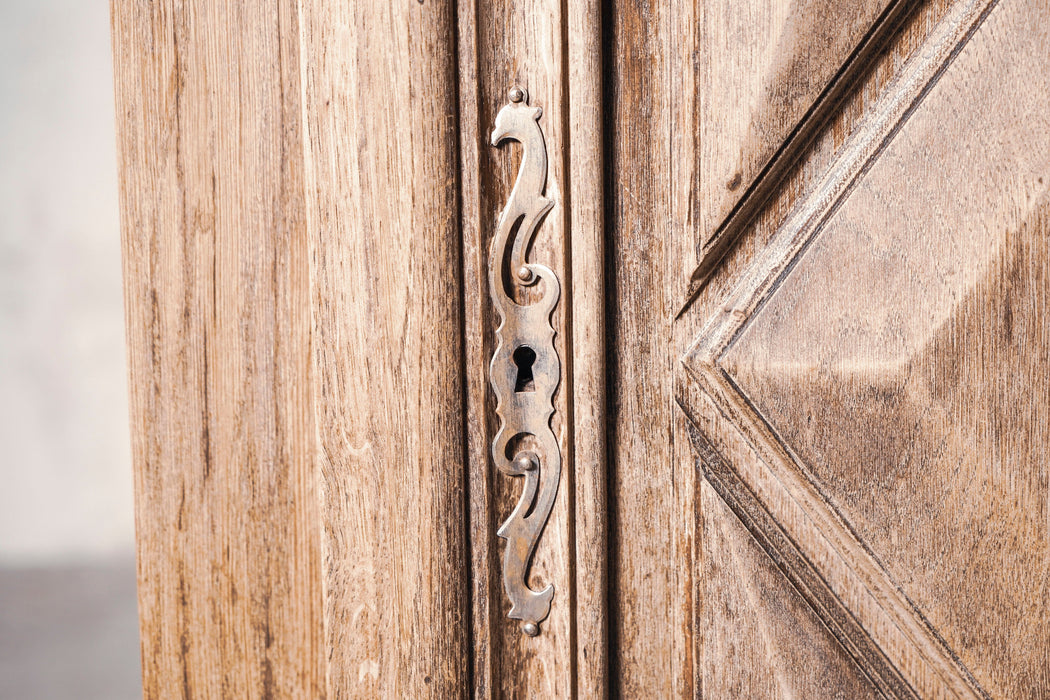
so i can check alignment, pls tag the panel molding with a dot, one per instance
(713, 246)
(791, 560)
(756, 472)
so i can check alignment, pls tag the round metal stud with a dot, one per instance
(516, 94)
(530, 628)
(524, 274)
(525, 462)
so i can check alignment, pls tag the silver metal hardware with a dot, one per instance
(525, 369)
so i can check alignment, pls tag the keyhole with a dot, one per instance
(523, 357)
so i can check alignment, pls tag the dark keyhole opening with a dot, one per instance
(523, 357)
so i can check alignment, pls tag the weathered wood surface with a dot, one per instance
(699, 99)
(587, 372)
(769, 643)
(379, 87)
(649, 170)
(248, 246)
(516, 43)
(665, 633)
(218, 325)
(292, 238)
(893, 355)
(771, 74)
(525, 43)
(308, 197)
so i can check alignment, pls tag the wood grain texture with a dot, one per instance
(216, 288)
(712, 647)
(658, 588)
(587, 370)
(477, 337)
(379, 90)
(308, 197)
(518, 43)
(947, 362)
(762, 623)
(650, 147)
(659, 112)
(795, 532)
(552, 50)
(772, 73)
(846, 398)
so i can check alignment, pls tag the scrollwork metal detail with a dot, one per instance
(525, 368)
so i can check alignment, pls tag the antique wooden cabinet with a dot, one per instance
(797, 361)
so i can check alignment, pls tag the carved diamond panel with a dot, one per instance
(874, 403)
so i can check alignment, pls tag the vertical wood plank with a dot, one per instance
(218, 328)
(293, 271)
(587, 376)
(522, 43)
(650, 99)
(380, 105)
(551, 49)
(485, 564)
(515, 43)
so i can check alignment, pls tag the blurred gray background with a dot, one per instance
(68, 625)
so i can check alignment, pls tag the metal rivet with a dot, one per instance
(516, 94)
(526, 462)
(531, 629)
(524, 273)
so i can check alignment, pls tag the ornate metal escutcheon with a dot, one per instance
(525, 368)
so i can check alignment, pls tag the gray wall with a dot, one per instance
(68, 626)
(64, 444)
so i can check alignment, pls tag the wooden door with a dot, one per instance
(802, 390)
(869, 397)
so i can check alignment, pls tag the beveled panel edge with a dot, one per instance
(792, 562)
(838, 576)
(714, 245)
(802, 527)
(808, 216)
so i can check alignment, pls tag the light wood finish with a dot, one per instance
(838, 492)
(551, 49)
(515, 44)
(770, 643)
(748, 635)
(651, 213)
(773, 73)
(247, 212)
(641, 507)
(218, 324)
(587, 372)
(651, 147)
(870, 389)
(383, 224)
(666, 133)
